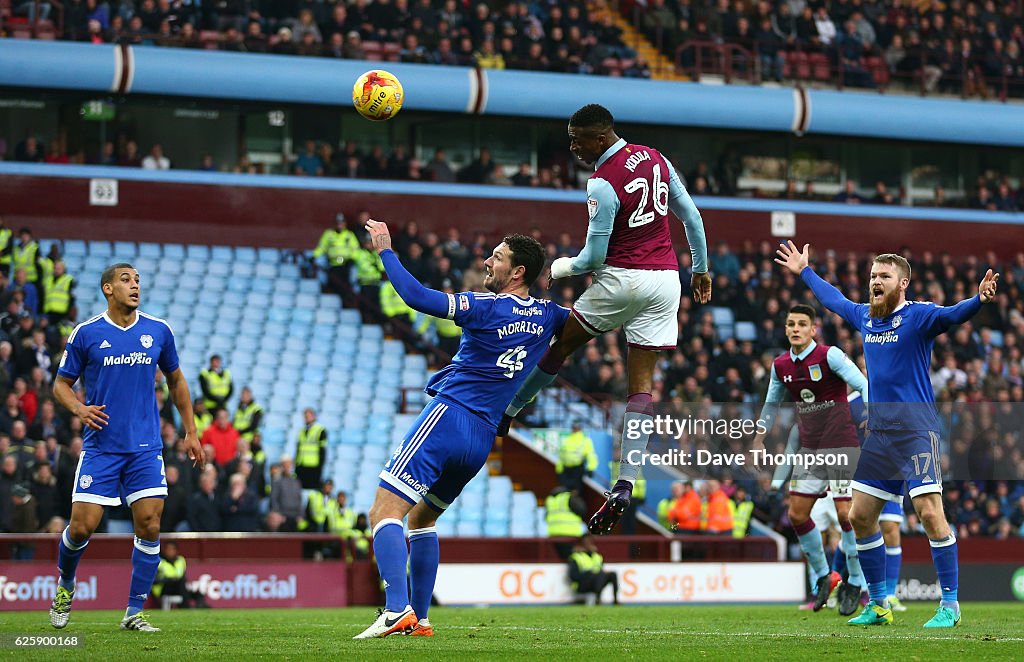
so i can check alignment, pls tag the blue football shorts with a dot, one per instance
(107, 478)
(443, 450)
(891, 458)
(892, 511)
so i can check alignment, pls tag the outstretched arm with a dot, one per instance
(943, 317)
(602, 204)
(419, 298)
(799, 263)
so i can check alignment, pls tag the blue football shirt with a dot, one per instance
(118, 369)
(898, 352)
(503, 338)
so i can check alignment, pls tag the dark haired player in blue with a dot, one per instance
(504, 333)
(116, 354)
(902, 444)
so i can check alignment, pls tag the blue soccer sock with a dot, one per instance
(814, 551)
(893, 560)
(540, 377)
(392, 560)
(424, 555)
(871, 550)
(145, 560)
(944, 555)
(69, 552)
(848, 547)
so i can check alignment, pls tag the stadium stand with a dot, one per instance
(968, 49)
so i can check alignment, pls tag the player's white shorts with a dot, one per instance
(824, 514)
(643, 302)
(816, 480)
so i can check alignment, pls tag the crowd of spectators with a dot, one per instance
(39, 443)
(560, 36)
(955, 46)
(971, 47)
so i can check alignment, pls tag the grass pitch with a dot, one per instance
(989, 631)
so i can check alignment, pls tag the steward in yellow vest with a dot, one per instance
(321, 509)
(57, 291)
(201, 416)
(311, 452)
(248, 416)
(25, 255)
(576, 458)
(564, 512)
(216, 385)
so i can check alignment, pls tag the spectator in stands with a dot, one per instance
(438, 169)
(769, 50)
(130, 156)
(308, 162)
(223, 436)
(176, 504)
(480, 170)
(216, 384)
(8, 479)
(285, 497)
(849, 194)
(684, 514)
(44, 491)
(156, 159)
(28, 150)
(203, 509)
(240, 509)
(311, 451)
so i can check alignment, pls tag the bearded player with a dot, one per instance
(903, 442)
(636, 278)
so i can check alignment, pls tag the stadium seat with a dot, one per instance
(268, 255)
(125, 250)
(100, 249)
(245, 254)
(746, 331)
(197, 252)
(75, 248)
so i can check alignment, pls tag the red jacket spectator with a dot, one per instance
(223, 437)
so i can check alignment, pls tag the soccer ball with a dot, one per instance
(377, 95)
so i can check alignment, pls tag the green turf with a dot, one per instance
(989, 631)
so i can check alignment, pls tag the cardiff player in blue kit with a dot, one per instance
(504, 333)
(116, 355)
(902, 445)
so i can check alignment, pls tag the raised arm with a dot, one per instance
(943, 317)
(419, 298)
(799, 263)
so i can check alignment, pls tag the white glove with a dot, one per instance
(561, 268)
